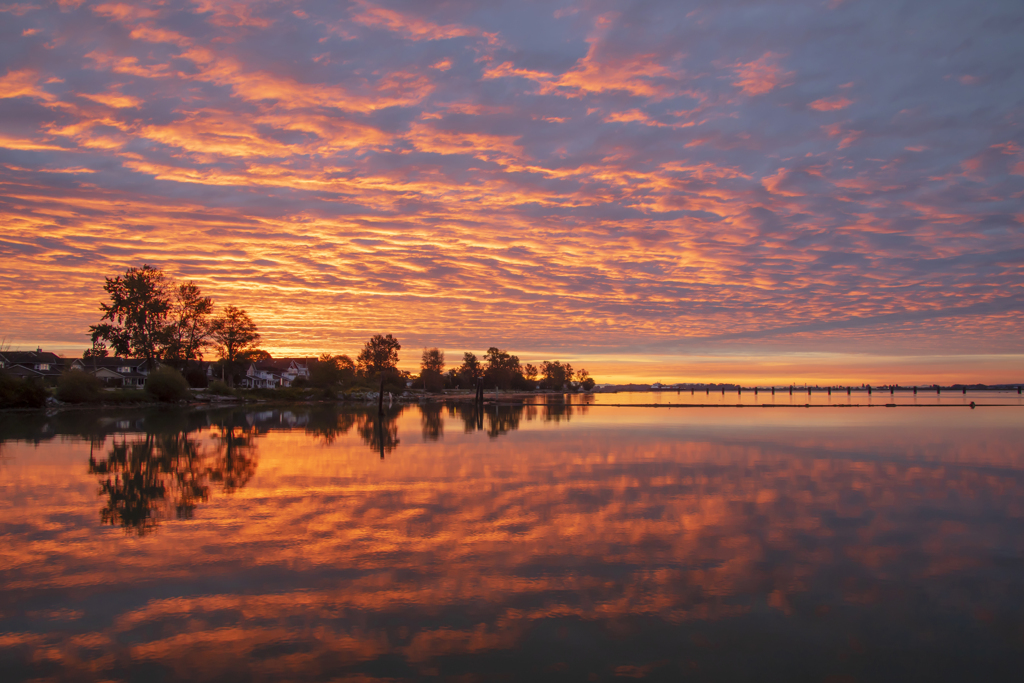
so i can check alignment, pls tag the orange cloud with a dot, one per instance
(830, 104)
(23, 83)
(762, 75)
(409, 27)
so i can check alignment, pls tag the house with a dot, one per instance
(114, 371)
(259, 376)
(274, 373)
(36, 364)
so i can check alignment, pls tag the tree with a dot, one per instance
(530, 372)
(470, 370)
(189, 330)
(235, 336)
(502, 368)
(380, 354)
(432, 367)
(330, 370)
(585, 380)
(137, 314)
(98, 350)
(556, 375)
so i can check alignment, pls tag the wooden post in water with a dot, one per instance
(773, 391)
(790, 389)
(830, 391)
(808, 391)
(915, 391)
(965, 391)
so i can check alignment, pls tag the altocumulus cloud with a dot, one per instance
(781, 175)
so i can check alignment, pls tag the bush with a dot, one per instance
(78, 386)
(220, 388)
(196, 376)
(167, 384)
(21, 393)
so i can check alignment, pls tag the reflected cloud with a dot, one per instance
(606, 544)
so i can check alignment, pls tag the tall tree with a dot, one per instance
(586, 381)
(137, 314)
(235, 335)
(502, 368)
(530, 372)
(189, 330)
(556, 374)
(380, 354)
(431, 369)
(470, 370)
(328, 370)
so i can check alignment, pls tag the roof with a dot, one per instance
(30, 357)
(111, 362)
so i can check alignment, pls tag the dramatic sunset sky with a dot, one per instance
(730, 191)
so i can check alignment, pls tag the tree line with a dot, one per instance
(149, 316)
(498, 369)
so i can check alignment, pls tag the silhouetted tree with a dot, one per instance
(97, 350)
(470, 370)
(236, 337)
(585, 380)
(502, 368)
(189, 330)
(530, 373)
(432, 369)
(379, 354)
(137, 314)
(556, 375)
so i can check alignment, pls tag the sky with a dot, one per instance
(777, 190)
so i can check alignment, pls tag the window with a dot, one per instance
(42, 366)
(124, 368)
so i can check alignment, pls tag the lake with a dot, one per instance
(563, 541)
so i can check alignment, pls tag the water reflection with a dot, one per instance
(143, 478)
(547, 543)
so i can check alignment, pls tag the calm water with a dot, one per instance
(551, 542)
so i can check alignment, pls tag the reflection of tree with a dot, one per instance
(380, 433)
(328, 423)
(235, 462)
(143, 478)
(560, 407)
(503, 419)
(500, 418)
(471, 414)
(431, 421)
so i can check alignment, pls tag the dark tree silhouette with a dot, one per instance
(432, 369)
(236, 337)
(137, 314)
(502, 368)
(189, 331)
(380, 354)
(470, 370)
